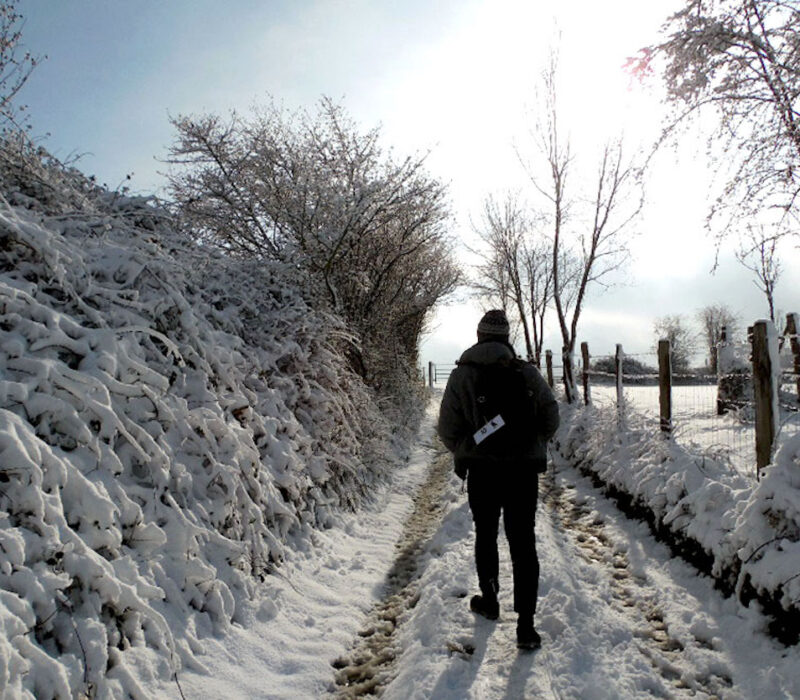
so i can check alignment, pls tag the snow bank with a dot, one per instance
(744, 533)
(768, 530)
(168, 419)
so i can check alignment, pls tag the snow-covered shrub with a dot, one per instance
(368, 229)
(168, 416)
(692, 495)
(746, 533)
(734, 378)
(768, 531)
(31, 177)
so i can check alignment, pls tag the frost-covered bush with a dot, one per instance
(693, 495)
(734, 378)
(168, 417)
(769, 528)
(31, 177)
(368, 229)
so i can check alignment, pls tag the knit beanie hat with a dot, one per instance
(494, 322)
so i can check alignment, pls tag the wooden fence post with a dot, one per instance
(548, 357)
(587, 399)
(765, 390)
(665, 385)
(618, 357)
(430, 374)
(723, 339)
(569, 374)
(792, 325)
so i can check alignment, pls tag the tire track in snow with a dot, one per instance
(368, 667)
(633, 596)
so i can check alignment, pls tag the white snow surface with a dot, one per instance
(619, 616)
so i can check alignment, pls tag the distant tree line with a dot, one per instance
(686, 337)
(630, 366)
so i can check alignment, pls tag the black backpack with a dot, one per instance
(507, 408)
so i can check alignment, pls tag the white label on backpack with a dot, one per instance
(490, 428)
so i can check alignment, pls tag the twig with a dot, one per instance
(278, 573)
(177, 682)
(761, 546)
(83, 650)
(791, 578)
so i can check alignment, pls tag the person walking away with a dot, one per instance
(496, 416)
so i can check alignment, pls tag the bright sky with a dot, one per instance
(454, 76)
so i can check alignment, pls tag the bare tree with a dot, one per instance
(315, 192)
(741, 60)
(713, 318)
(539, 273)
(758, 253)
(588, 235)
(502, 230)
(15, 66)
(515, 270)
(682, 339)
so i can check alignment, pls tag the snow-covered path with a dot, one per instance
(619, 617)
(313, 608)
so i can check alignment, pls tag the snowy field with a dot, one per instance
(697, 427)
(619, 617)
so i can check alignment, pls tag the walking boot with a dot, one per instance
(485, 603)
(487, 607)
(527, 636)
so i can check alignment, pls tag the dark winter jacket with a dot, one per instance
(459, 416)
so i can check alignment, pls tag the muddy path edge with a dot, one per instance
(368, 665)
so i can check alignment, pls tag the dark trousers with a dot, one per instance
(492, 490)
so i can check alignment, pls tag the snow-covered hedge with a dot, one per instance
(768, 530)
(168, 417)
(746, 533)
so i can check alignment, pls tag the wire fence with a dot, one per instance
(712, 414)
(436, 374)
(696, 423)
